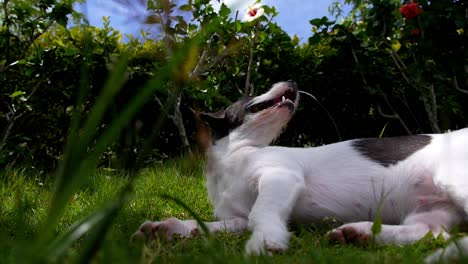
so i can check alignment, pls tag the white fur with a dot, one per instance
(260, 187)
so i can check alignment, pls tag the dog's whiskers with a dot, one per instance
(325, 109)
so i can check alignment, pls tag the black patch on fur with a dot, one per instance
(389, 151)
(233, 117)
(236, 112)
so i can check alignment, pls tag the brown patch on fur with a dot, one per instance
(203, 133)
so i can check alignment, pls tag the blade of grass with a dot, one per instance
(94, 241)
(189, 210)
(59, 246)
(79, 159)
(383, 130)
(68, 177)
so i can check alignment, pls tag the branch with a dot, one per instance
(203, 66)
(11, 122)
(433, 107)
(13, 116)
(394, 116)
(7, 26)
(197, 70)
(433, 99)
(455, 84)
(249, 70)
(397, 60)
(381, 113)
(5, 11)
(27, 45)
(406, 104)
(360, 71)
(429, 100)
(33, 90)
(6, 134)
(163, 108)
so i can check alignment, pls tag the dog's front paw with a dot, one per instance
(261, 243)
(167, 230)
(350, 234)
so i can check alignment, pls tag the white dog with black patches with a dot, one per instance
(418, 184)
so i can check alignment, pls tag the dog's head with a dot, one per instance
(259, 119)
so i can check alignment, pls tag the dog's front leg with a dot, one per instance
(277, 195)
(172, 227)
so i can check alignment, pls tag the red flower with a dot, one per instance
(410, 11)
(253, 12)
(416, 32)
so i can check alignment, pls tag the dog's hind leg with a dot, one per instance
(451, 174)
(413, 228)
(453, 253)
(277, 195)
(172, 227)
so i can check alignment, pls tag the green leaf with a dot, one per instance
(238, 26)
(150, 5)
(192, 27)
(224, 11)
(186, 8)
(262, 35)
(70, 52)
(377, 225)
(152, 19)
(17, 93)
(316, 22)
(314, 39)
(383, 130)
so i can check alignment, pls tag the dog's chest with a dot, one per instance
(227, 188)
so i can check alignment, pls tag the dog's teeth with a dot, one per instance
(283, 98)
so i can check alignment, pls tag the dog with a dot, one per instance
(415, 184)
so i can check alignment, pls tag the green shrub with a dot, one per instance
(372, 69)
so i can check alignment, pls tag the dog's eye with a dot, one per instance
(259, 107)
(255, 108)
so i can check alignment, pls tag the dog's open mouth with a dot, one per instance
(286, 98)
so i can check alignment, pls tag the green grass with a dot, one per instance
(25, 196)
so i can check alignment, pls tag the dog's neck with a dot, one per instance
(234, 145)
(249, 124)
(257, 138)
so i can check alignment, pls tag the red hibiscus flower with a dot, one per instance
(410, 11)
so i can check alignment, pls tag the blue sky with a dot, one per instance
(294, 15)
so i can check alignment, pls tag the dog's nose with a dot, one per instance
(292, 83)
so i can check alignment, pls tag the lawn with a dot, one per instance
(25, 195)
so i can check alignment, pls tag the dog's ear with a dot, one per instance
(209, 127)
(213, 117)
(217, 122)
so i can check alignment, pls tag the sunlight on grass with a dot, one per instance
(24, 197)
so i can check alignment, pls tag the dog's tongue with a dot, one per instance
(276, 100)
